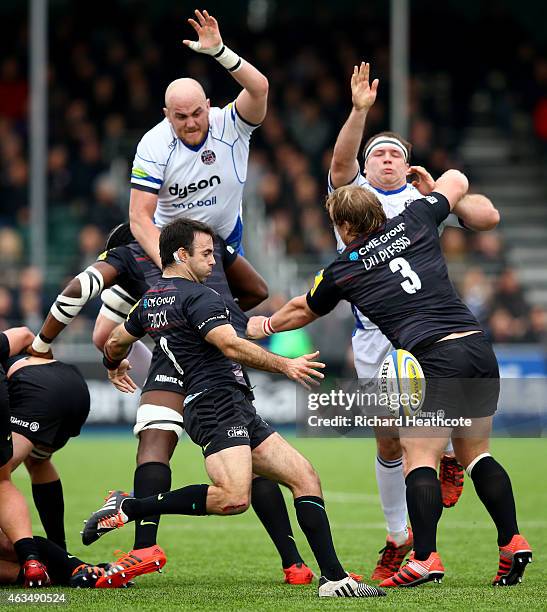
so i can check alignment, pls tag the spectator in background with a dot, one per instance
(105, 211)
(488, 252)
(510, 296)
(476, 292)
(90, 242)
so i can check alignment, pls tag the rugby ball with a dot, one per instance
(401, 384)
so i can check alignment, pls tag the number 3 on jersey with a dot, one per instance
(413, 282)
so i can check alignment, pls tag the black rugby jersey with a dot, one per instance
(137, 273)
(177, 314)
(398, 278)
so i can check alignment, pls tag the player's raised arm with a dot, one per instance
(252, 102)
(302, 369)
(344, 165)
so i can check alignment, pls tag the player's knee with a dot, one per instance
(389, 449)
(235, 503)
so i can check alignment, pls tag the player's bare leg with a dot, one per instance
(15, 523)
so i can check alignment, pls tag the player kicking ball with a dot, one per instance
(394, 272)
(191, 324)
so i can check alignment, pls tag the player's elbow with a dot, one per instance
(230, 349)
(341, 172)
(459, 182)
(262, 86)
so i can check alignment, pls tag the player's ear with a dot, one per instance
(165, 112)
(208, 103)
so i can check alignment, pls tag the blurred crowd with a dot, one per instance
(106, 85)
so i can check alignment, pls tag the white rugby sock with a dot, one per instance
(392, 489)
(139, 358)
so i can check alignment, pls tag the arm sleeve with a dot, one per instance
(324, 295)
(4, 347)
(433, 208)
(206, 311)
(133, 324)
(148, 167)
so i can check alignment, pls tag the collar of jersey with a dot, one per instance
(392, 192)
(195, 147)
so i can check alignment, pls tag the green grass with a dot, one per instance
(228, 563)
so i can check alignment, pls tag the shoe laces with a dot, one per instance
(452, 471)
(125, 559)
(110, 522)
(391, 557)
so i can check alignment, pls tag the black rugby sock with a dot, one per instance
(150, 479)
(269, 505)
(425, 506)
(493, 487)
(49, 501)
(313, 520)
(188, 500)
(60, 564)
(26, 548)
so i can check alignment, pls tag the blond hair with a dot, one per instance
(358, 207)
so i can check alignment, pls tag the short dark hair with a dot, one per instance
(407, 145)
(360, 208)
(180, 233)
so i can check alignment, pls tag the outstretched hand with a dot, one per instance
(209, 39)
(121, 379)
(363, 93)
(304, 370)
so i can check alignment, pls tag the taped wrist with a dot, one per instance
(40, 345)
(227, 58)
(267, 327)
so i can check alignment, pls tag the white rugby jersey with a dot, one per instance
(204, 182)
(393, 202)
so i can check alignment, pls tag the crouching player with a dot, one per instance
(49, 402)
(65, 569)
(191, 325)
(394, 272)
(14, 514)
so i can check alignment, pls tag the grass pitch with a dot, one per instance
(228, 563)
